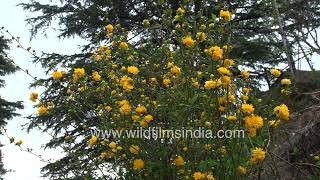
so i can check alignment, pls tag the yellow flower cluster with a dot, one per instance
(123, 45)
(258, 155)
(34, 96)
(282, 112)
(226, 15)
(109, 29)
(275, 72)
(96, 76)
(201, 36)
(179, 161)
(215, 52)
(141, 109)
(247, 108)
(242, 170)
(78, 73)
(134, 149)
(125, 107)
(133, 70)
(224, 71)
(42, 110)
(93, 140)
(252, 123)
(199, 176)
(138, 164)
(126, 83)
(57, 75)
(211, 84)
(245, 74)
(286, 81)
(188, 41)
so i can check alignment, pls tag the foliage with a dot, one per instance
(256, 40)
(179, 74)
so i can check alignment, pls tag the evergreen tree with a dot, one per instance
(7, 108)
(256, 41)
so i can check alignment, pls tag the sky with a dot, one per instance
(23, 164)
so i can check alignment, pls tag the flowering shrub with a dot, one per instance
(186, 79)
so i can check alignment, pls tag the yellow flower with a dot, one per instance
(210, 177)
(109, 28)
(113, 43)
(126, 83)
(242, 170)
(207, 147)
(141, 109)
(78, 73)
(133, 70)
(179, 161)
(282, 112)
(18, 143)
(57, 75)
(96, 76)
(199, 176)
(252, 132)
(211, 84)
(246, 90)
(201, 36)
(253, 121)
(275, 72)
(34, 96)
(148, 118)
(286, 81)
(93, 140)
(228, 62)
(188, 41)
(125, 109)
(42, 110)
(224, 71)
(175, 70)
(135, 118)
(232, 118)
(103, 155)
(245, 74)
(285, 92)
(226, 15)
(112, 145)
(123, 45)
(170, 64)
(138, 164)
(108, 108)
(166, 82)
(247, 108)
(217, 53)
(134, 149)
(244, 97)
(143, 124)
(257, 155)
(180, 11)
(222, 150)
(274, 123)
(226, 80)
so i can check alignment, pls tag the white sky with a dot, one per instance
(25, 165)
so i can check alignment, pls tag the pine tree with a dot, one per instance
(258, 23)
(7, 108)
